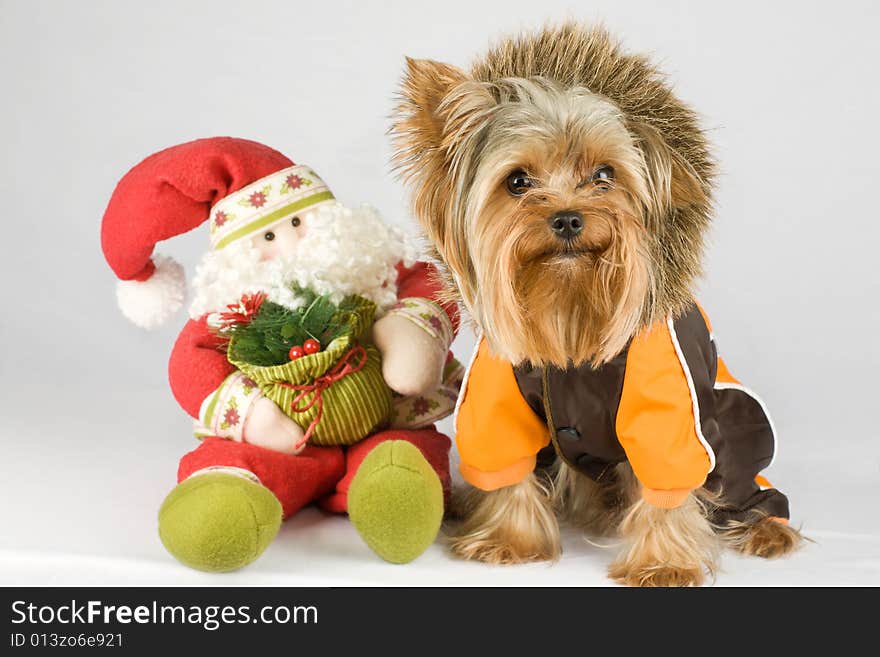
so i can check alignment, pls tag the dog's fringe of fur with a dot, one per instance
(666, 547)
(761, 536)
(687, 542)
(661, 547)
(515, 524)
(574, 55)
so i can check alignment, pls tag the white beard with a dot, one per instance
(345, 251)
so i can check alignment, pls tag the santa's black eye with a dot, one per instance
(604, 174)
(518, 183)
(269, 236)
(295, 222)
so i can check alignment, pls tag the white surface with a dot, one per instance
(90, 433)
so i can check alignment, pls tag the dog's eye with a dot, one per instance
(269, 236)
(295, 222)
(518, 183)
(604, 174)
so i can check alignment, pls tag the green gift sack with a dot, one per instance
(338, 393)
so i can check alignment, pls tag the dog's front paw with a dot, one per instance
(514, 524)
(656, 575)
(769, 538)
(502, 550)
(666, 547)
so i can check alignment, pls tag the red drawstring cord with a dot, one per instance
(342, 369)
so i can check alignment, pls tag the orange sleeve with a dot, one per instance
(658, 420)
(497, 433)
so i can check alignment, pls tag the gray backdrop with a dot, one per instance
(90, 432)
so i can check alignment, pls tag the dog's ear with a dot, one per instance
(672, 181)
(418, 124)
(438, 107)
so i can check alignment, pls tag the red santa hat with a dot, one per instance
(242, 186)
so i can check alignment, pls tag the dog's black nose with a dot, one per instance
(567, 224)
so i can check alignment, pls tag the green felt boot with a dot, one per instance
(395, 501)
(218, 521)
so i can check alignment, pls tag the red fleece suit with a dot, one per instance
(317, 474)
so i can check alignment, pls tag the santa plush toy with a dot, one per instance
(275, 227)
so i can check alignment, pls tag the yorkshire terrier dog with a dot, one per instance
(567, 191)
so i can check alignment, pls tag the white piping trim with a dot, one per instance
(464, 381)
(751, 393)
(696, 405)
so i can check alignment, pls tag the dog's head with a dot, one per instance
(564, 187)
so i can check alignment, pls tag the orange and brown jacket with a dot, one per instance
(667, 404)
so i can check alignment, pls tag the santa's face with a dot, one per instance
(329, 249)
(280, 240)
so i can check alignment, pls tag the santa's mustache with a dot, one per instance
(344, 251)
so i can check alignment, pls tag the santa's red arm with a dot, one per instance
(196, 368)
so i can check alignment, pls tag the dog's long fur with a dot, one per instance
(559, 105)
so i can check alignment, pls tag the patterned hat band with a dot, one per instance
(266, 202)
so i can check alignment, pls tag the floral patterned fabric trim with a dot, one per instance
(265, 202)
(427, 315)
(223, 412)
(420, 411)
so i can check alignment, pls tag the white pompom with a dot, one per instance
(152, 302)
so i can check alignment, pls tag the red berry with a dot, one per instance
(295, 352)
(312, 346)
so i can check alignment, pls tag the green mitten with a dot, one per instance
(395, 501)
(218, 521)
